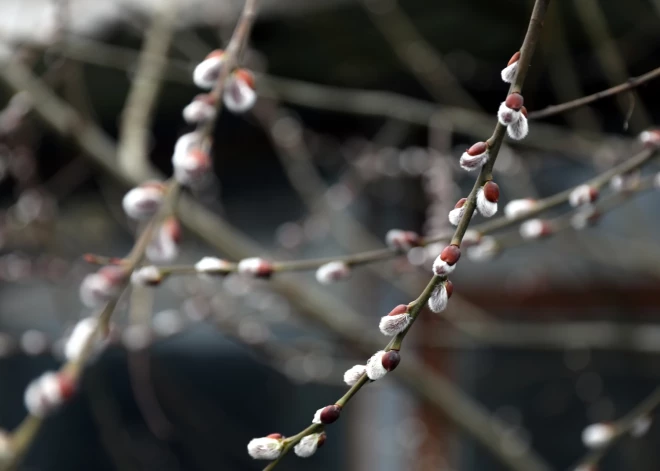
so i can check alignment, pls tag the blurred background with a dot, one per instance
(364, 109)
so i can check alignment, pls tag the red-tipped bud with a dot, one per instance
(239, 95)
(449, 286)
(492, 192)
(400, 309)
(398, 239)
(329, 414)
(583, 194)
(478, 148)
(450, 254)
(275, 435)
(460, 203)
(164, 247)
(255, 266)
(201, 109)
(650, 138)
(192, 167)
(514, 101)
(207, 72)
(523, 110)
(391, 360)
(322, 439)
(514, 58)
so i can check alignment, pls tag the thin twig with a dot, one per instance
(631, 83)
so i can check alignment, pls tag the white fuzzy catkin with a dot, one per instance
(96, 290)
(580, 195)
(142, 202)
(517, 208)
(353, 374)
(146, 276)
(308, 445)
(199, 111)
(375, 368)
(442, 268)
(484, 251)
(473, 162)
(641, 426)
(265, 448)
(597, 435)
(506, 116)
(485, 207)
(392, 325)
(206, 73)
(519, 128)
(238, 96)
(439, 299)
(455, 215)
(212, 265)
(509, 72)
(80, 335)
(333, 271)
(532, 229)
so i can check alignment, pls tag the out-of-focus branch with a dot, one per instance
(312, 301)
(595, 24)
(138, 111)
(620, 428)
(417, 54)
(356, 101)
(586, 100)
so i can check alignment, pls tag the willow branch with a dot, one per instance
(415, 307)
(621, 428)
(138, 111)
(629, 84)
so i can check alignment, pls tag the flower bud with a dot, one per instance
(307, 446)
(82, 333)
(509, 112)
(390, 360)
(641, 426)
(327, 415)
(353, 374)
(535, 229)
(332, 271)
(255, 266)
(402, 240)
(446, 261)
(518, 208)
(485, 250)
(265, 448)
(396, 321)
(597, 435)
(98, 288)
(456, 214)
(207, 72)
(239, 95)
(519, 128)
(582, 194)
(375, 368)
(203, 108)
(213, 266)
(475, 157)
(487, 198)
(164, 246)
(440, 297)
(650, 138)
(147, 276)
(509, 72)
(192, 168)
(143, 201)
(50, 390)
(585, 217)
(626, 182)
